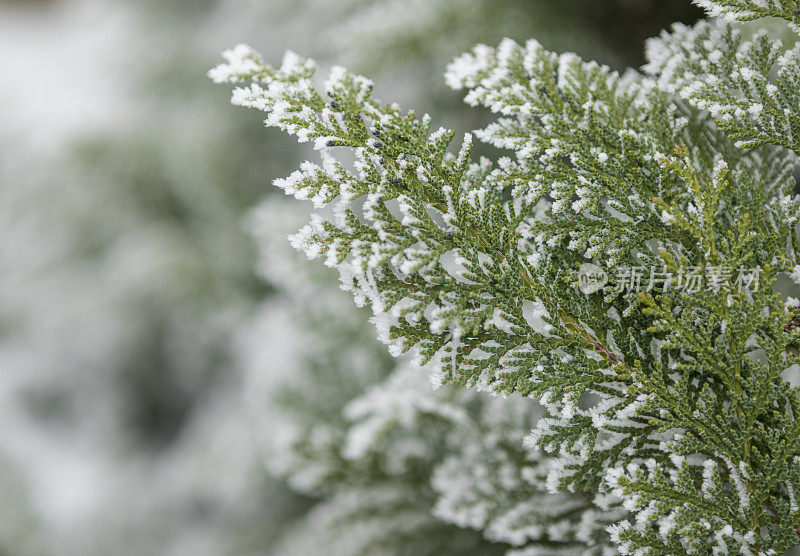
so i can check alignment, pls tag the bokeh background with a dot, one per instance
(153, 323)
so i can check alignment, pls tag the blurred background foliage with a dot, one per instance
(128, 275)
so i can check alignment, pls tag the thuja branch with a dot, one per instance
(669, 404)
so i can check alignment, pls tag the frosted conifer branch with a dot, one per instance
(715, 69)
(652, 394)
(746, 10)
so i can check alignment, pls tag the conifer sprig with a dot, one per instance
(714, 68)
(747, 10)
